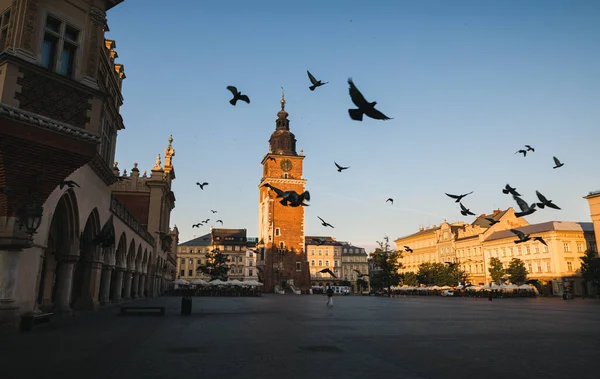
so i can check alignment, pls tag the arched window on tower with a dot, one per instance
(281, 245)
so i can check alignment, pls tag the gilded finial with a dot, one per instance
(282, 99)
(116, 164)
(170, 140)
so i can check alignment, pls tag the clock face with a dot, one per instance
(286, 165)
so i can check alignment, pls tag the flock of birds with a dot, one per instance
(366, 108)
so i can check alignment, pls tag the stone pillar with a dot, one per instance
(9, 266)
(150, 285)
(142, 286)
(127, 289)
(64, 283)
(91, 286)
(134, 285)
(117, 284)
(105, 284)
(48, 284)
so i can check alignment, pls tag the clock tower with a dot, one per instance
(281, 228)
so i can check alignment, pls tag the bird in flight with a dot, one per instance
(408, 249)
(526, 209)
(364, 107)
(541, 240)
(328, 271)
(272, 159)
(320, 241)
(340, 168)
(492, 221)
(529, 148)
(315, 83)
(544, 202)
(508, 189)
(213, 211)
(221, 221)
(324, 223)
(464, 211)
(201, 185)
(68, 183)
(522, 236)
(359, 274)
(197, 225)
(524, 152)
(390, 200)
(291, 198)
(237, 95)
(557, 163)
(458, 197)
(206, 221)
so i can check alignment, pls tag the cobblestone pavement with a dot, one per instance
(292, 337)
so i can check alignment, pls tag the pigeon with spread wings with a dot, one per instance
(315, 83)
(364, 107)
(328, 271)
(237, 95)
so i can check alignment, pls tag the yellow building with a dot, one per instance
(323, 252)
(552, 264)
(231, 242)
(354, 259)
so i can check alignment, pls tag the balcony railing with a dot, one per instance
(119, 210)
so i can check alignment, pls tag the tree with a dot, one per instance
(496, 270)
(387, 261)
(410, 279)
(439, 274)
(590, 269)
(362, 284)
(216, 265)
(517, 273)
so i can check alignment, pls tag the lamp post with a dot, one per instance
(30, 217)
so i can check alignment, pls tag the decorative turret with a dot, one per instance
(282, 141)
(169, 154)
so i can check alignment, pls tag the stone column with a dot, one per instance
(117, 284)
(127, 289)
(134, 285)
(9, 266)
(64, 283)
(149, 285)
(105, 283)
(48, 283)
(142, 286)
(91, 286)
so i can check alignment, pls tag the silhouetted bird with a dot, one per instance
(464, 211)
(206, 221)
(340, 168)
(319, 241)
(408, 249)
(529, 148)
(290, 198)
(364, 107)
(197, 225)
(508, 189)
(544, 202)
(220, 221)
(359, 274)
(315, 83)
(324, 223)
(237, 95)
(213, 211)
(390, 200)
(557, 163)
(201, 185)
(524, 152)
(526, 209)
(492, 221)
(458, 197)
(68, 183)
(540, 239)
(522, 236)
(328, 271)
(272, 159)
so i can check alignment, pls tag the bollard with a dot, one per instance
(186, 305)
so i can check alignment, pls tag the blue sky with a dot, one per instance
(468, 83)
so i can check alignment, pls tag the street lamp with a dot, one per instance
(30, 217)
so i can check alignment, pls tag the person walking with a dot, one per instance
(329, 296)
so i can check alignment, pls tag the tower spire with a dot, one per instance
(282, 141)
(282, 99)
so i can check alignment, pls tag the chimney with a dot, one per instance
(496, 211)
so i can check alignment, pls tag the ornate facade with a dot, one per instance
(239, 249)
(323, 252)
(281, 228)
(60, 95)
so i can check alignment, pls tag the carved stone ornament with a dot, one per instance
(29, 25)
(97, 16)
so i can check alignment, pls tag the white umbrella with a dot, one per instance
(216, 282)
(199, 282)
(181, 282)
(234, 282)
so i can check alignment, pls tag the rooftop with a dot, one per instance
(545, 227)
(199, 241)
